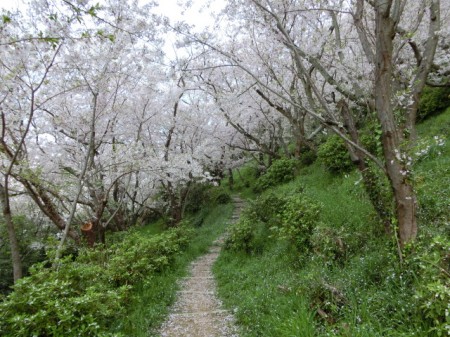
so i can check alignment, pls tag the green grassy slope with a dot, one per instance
(364, 290)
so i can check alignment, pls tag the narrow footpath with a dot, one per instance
(198, 312)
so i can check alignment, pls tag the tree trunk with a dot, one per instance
(231, 179)
(370, 180)
(13, 242)
(395, 160)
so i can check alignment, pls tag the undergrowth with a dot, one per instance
(349, 279)
(121, 289)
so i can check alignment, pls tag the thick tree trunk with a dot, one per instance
(395, 160)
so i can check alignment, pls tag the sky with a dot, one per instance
(198, 14)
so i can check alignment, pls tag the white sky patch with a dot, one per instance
(200, 15)
(10, 4)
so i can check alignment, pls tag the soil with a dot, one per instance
(198, 312)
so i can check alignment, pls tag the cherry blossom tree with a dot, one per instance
(347, 57)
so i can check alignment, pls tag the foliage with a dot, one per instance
(307, 156)
(139, 256)
(86, 296)
(72, 301)
(197, 197)
(290, 218)
(267, 208)
(240, 236)
(281, 171)
(432, 101)
(433, 292)
(299, 217)
(329, 243)
(334, 155)
(370, 137)
(220, 196)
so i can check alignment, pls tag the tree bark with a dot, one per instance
(395, 160)
(231, 179)
(370, 180)
(13, 242)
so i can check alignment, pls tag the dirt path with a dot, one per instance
(198, 312)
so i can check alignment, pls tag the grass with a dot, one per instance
(152, 298)
(367, 292)
(262, 296)
(267, 290)
(432, 172)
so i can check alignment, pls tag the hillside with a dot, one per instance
(350, 280)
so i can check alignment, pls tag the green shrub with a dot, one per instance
(197, 197)
(299, 217)
(251, 233)
(74, 300)
(220, 196)
(240, 236)
(334, 155)
(292, 218)
(308, 156)
(87, 296)
(267, 208)
(432, 101)
(329, 243)
(370, 138)
(29, 236)
(281, 171)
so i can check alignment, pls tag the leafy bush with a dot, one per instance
(432, 101)
(220, 196)
(334, 155)
(87, 296)
(292, 218)
(370, 138)
(329, 243)
(197, 197)
(71, 301)
(267, 208)
(138, 256)
(240, 236)
(251, 233)
(299, 217)
(308, 156)
(281, 171)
